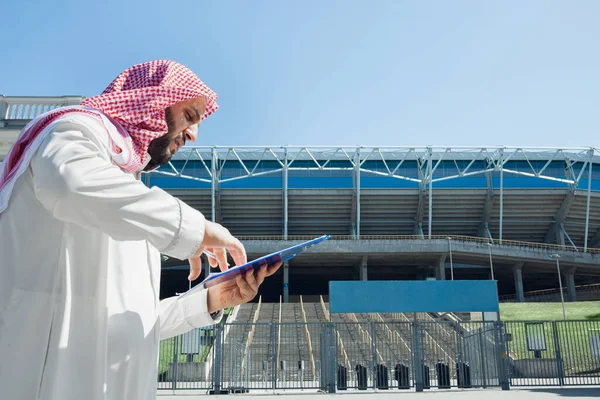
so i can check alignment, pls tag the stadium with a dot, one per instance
(514, 215)
(394, 213)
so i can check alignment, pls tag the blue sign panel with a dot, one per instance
(413, 296)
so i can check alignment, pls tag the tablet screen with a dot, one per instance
(282, 255)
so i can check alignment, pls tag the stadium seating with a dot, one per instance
(286, 339)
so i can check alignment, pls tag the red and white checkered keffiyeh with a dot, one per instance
(135, 102)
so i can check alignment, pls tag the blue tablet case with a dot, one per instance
(270, 259)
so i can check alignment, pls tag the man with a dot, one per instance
(81, 237)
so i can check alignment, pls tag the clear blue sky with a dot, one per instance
(324, 72)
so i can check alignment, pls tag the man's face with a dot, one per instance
(183, 119)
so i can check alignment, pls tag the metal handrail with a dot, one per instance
(471, 239)
(26, 108)
(307, 336)
(543, 292)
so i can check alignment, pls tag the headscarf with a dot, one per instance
(134, 102)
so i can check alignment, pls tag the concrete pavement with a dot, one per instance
(489, 394)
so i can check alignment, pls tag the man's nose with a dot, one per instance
(191, 134)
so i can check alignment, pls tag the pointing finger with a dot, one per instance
(238, 252)
(195, 268)
(222, 259)
(214, 263)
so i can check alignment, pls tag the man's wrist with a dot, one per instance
(212, 302)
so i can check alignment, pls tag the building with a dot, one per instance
(395, 212)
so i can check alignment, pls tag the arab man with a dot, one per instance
(81, 237)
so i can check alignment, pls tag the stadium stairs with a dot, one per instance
(290, 333)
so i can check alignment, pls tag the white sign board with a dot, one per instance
(190, 342)
(536, 340)
(490, 316)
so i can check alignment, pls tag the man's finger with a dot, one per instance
(211, 261)
(245, 289)
(260, 274)
(222, 259)
(251, 279)
(238, 252)
(273, 268)
(195, 268)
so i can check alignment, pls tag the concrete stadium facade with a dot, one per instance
(395, 212)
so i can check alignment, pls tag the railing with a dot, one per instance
(308, 339)
(365, 336)
(279, 332)
(470, 239)
(584, 293)
(250, 337)
(339, 341)
(483, 354)
(27, 108)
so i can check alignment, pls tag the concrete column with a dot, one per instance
(440, 269)
(363, 269)
(560, 236)
(286, 282)
(570, 283)
(517, 272)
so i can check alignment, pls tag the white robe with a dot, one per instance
(80, 316)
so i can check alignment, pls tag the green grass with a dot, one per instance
(583, 310)
(571, 337)
(166, 353)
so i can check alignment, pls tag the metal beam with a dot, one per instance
(560, 217)
(430, 177)
(418, 228)
(353, 211)
(285, 195)
(487, 208)
(589, 190)
(322, 158)
(501, 193)
(357, 192)
(214, 183)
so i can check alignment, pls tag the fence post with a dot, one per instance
(175, 360)
(559, 363)
(501, 349)
(482, 354)
(417, 357)
(373, 355)
(218, 359)
(274, 356)
(332, 357)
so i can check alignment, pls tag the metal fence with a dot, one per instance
(390, 354)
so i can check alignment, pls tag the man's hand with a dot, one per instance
(240, 290)
(217, 240)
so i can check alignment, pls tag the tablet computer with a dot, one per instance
(270, 259)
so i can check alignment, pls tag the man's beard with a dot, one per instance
(159, 148)
(159, 152)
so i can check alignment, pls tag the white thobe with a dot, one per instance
(80, 316)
